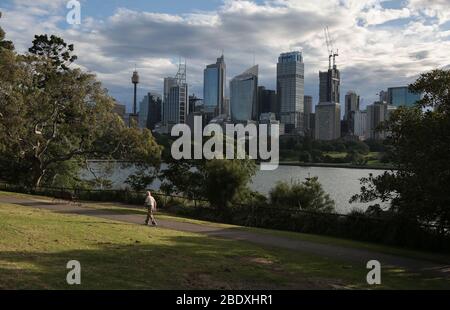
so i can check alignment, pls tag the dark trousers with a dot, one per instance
(150, 216)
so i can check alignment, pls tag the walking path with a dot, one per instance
(347, 254)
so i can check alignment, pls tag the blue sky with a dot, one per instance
(381, 43)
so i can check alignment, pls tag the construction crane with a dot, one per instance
(330, 46)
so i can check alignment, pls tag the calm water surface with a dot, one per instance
(340, 183)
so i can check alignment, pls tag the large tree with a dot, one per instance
(51, 113)
(419, 146)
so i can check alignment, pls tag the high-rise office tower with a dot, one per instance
(150, 111)
(176, 102)
(307, 110)
(243, 92)
(154, 110)
(143, 112)
(169, 82)
(402, 96)
(214, 80)
(290, 90)
(383, 96)
(328, 121)
(360, 124)
(377, 113)
(267, 101)
(352, 101)
(195, 104)
(328, 111)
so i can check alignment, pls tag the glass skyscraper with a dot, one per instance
(291, 90)
(214, 80)
(243, 91)
(401, 96)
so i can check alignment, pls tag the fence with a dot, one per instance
(391, 230)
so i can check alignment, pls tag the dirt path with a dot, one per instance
(351, 255)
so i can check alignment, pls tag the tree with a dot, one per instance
(419, 145)
(51, 114)
(56, 52)
(308, 195)
(219, 181)
(7, 45)
(226, 179)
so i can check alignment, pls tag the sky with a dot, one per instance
(381, 43)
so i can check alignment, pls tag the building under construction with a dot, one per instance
(176, 102)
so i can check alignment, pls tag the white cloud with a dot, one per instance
(373, 55)
(432, 8)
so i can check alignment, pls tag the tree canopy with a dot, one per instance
(419, 146)
(52, 113)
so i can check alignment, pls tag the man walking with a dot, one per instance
(150, 204)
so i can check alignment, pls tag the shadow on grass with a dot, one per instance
(175, 263)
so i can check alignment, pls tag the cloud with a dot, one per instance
(373, 54)
(432, 8)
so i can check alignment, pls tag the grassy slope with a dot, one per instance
(434, 257)
(35, 246)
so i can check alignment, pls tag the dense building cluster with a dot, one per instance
(287, 106)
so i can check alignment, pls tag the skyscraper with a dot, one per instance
(352, 101)
(176, 102)
(214, 80)
(377, 113)
(360, 124)
(267, 101)
(330, 82)
(402, 96)
(143, 112)
(169, 82)
(308, 109)
(150, 111)
(328, 121)
(154, 110)
(328, 111)
(290, 90)
(243, 92)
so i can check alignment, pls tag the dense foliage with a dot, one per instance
(52, 114)
(419, 146)
(308, 196)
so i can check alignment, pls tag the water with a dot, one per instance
(340, 183)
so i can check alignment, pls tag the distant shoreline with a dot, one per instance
(300, 164)
(331, 165)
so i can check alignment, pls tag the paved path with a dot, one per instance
(351, 255)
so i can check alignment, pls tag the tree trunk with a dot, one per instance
(38, 172)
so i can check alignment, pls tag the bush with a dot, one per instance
(308, 195)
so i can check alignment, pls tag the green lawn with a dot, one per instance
(434, 257)
(35, 246)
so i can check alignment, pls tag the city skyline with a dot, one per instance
(381, 43)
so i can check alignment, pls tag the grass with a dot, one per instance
(127, 209)
(433, 257)
(35, 246)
